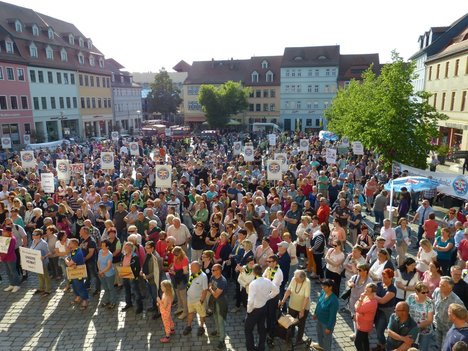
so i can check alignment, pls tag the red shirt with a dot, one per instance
(365, 314)
(463, 248)
(218, 250)
(323, 213)
(274, 243)
(10, 256)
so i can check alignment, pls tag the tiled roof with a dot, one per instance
(255, 64)
(182, 66)
(458, 45)
(312, 56)
(352, 66)
(217, 72)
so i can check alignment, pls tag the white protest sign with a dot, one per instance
(31, 260)
(272, 139)
(107, 160)
(163, 176)
(63, 169)
(304, 145)
(330, 156)
(248, 153)
(47, 183)
(77, 168)
(115, 136)
(27, 159)
(4, 244)
(27, 139)
(134, 148)
(283, 158)
(168, 132)
(236, 148)
(344, 142)
(358, 149)
(6, 143)
(274, 170)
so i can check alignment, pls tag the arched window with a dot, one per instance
(63, 55)
(254, 77)
(33, 50)
(50, 33)
(264, 64)
(81, 42)
(90, 44)
(269, 76)
(49, 53)
(18, 26)
(71, 39)
(81, 58)
(101, 62)
(35, 30)
(91, 60)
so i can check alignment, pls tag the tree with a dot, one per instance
(164, 97)
(219, 103)
(386, 115)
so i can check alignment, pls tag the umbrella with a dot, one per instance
(326, 135)
(411, 183)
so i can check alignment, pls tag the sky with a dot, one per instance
(147, 35)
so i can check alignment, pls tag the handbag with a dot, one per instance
(347, 293)
(286, 320)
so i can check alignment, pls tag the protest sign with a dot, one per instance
(358, 149)
(63, 169)
(77, 272)
(107, 160)
(27, 159)
(47, 183)
(330, 156)
(134, 148)
(4, 244)
(6, 143)
(304, 145)
(274, 170)
(163, 176)
(31, 260)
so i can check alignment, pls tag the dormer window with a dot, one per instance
(50, 33)
(81, 42)
(81, 58)
(298, 58)
(264, 64)
(63, 55)
(101, 62)
(269, 76)
(9, 46)
(90, 44)
(18, 26)
(71, 39)
(35, 30)
(91, 60)
(322, 57)
(33, 50)
(254, 77)
(49, 53)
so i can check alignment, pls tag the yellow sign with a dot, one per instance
(77, 272)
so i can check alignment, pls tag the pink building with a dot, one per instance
(16, 118)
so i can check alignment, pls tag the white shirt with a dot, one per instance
(260, 291)
(277, 279)
(181, 234)
(389, 235)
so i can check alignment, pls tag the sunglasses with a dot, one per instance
(424, 292)
(269, 261)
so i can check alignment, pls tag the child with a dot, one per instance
(165, 304)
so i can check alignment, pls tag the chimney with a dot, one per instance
(212, 63)
(231, 64)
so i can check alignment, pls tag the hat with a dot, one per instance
(380, 238)
(283, 244)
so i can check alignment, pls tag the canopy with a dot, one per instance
(414, 183)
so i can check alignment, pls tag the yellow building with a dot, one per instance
(95, 95)
(447, 80)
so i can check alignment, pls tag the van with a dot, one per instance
(266, 127)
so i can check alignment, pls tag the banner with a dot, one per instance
(283, 158)
(47, 183)
(274, 171)
(63, 169)
(358, 149)
(236, 148)
(107, 160)
(248, 153)
(6, 143)
(163, 176)
(77, 272)
(115, 136)
(27, 159)
(27, 139)
(330, 156)
(31, 260)
(304, 145)
(134, 148)
(4, 244)
(77, 168)
(272, 139)
(450, 184)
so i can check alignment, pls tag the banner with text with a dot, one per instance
(358, 149)
(31, 260)
(77, 168)
(47, 183)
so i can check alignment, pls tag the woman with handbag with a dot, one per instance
(356, 286)
(335, 258)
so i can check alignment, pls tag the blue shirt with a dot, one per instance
(326, 310)
(103, 261)
(459, 235)
(43, 248)
(453, 336)
(77, 257)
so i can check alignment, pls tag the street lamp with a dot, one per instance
(139, 119)
(62, 118)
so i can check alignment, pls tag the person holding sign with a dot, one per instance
(8, 258)
(131, 264)
(45, 284)
(77, 259)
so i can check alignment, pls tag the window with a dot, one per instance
(315, 105)
(308, 122)
(81, 58)
(447, 64)
(108, 83)
(327, 87)
(462, 107)
(457, 66)
(59, 78)
(333, 71)
(293, 73)
(109, 103)
(299, 73)
(272, 107)
(88, 102)
(287, 73)
(3, 103)
(71, 39)
(258, 107)
(265, 93)
(272, 93)
(99, 103)
(91, 60)
(18, 26)
(251, 107)
(63, 55)
(40, 76)
(327, 72)
(90, 44)
(1, 73)
(86, 81)
(35, 30)
(430, 73)
(49, 53)
(309, 73)
(298, 105)
(53, 106)
(14, 102)
(33, 50)
(75, 103)
(72, 78)
(101, 62)
(50, 33)
(10, 73)
(44, 103)
(81, 42)
(258, 93)
(435, 101)
(269, 76)
(254, 77)
(24, 102)
(65, 78)
(325, 105)
(309, 88)
(36, 103)
(309, 105)
(20, 74)
(91, 78)
(80, 78)
(442, 107)
(286, 88)
(316, 88)
(452, 101)
(50, 77)
(82, 100)
(317, 122)
(287, 104)
(317, 73)
(293, 88)
(68, 102)
(264, 64)
(9, 47)
(190, 102)
(298, 88)
(265, 107)
(438, 71)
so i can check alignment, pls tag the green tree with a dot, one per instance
(164, 97)
(219, 103)
(386, 115)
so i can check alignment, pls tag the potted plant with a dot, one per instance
(442, 152)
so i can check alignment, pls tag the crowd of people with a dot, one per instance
(223, 225)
